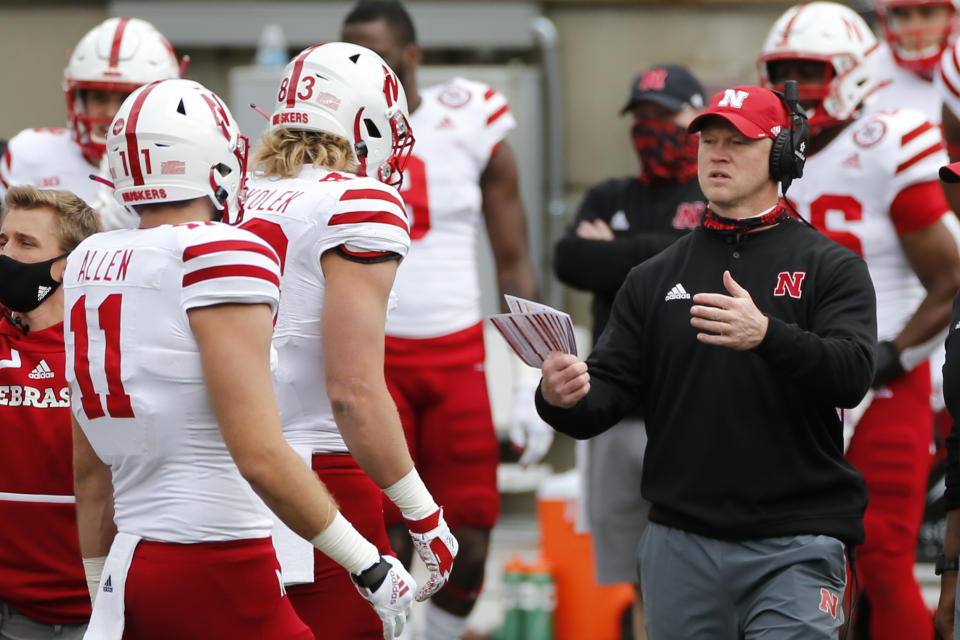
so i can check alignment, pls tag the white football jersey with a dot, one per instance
(136, 378)
(51, 159)
(947, 78)
(457, 126)
(302, 218)
(903, 89)
(848, 189)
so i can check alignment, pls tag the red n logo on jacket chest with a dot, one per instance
(789, 283)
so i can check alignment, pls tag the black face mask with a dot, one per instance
(24, 285)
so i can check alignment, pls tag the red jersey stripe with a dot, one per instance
(373, 194)
(946, 81)
(926, 126)
(228, 245)
(381, 217)
(920, 156)
(365, 255)
(918, 206)
(230, 271)
(117, 39)
(497, 114)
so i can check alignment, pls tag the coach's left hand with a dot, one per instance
(732, 321)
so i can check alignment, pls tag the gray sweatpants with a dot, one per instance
(788, 588)
(617, 512)
(16, 626)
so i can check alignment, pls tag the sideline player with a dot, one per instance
(168, 347)
(111, 60)
(916, 34)
(319, 197)
(871, 183)
(42, 589)
(461, 168)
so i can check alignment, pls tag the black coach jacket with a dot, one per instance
(741, 444)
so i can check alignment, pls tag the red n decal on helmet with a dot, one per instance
(391, 86)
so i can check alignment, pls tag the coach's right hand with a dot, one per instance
(565, 379)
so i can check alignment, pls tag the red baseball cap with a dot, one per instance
(950, 173)
(755, 112)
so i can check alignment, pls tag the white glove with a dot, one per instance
(527, 431)
(388, 587)
(437, 547)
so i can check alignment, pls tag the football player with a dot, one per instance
(916, 34)
(462, 169)
(338, 139)
(870, 183)
(111, 60)
(168, 347)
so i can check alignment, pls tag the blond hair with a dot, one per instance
(283, 152)
(75, 219)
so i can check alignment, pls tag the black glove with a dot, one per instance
(888, 364)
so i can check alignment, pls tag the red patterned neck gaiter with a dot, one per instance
(730, 225)
(668, 154)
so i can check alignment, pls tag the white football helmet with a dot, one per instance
(909, 45)
(837, 36)
(119, 54)
(176, 140)
(349, 91)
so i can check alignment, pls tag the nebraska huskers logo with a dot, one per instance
(790, 283)
(829, 602)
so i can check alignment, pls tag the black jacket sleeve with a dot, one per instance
(600, 266)
(614, 384)
(951, 393)
(834, 359)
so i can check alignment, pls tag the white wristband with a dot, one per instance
(411, 496)
(346, 546)
(93, 569)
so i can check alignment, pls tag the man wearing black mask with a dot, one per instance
(42, 585)
(621, 223)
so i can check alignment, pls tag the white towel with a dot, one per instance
(107, 620)
(294, 553)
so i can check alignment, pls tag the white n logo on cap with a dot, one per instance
(733, 98)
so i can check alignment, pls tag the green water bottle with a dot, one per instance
(538, 600)
(514, 575)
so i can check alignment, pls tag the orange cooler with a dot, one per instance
(584, 608)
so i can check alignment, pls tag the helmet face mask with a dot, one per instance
(176, 140)
(349, 91)
(118, 55)
(918, 31)
(834, 36)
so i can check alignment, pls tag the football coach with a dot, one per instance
(738, 343)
